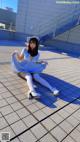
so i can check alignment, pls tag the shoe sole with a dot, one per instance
(30, 96)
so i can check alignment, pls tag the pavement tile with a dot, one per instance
(74, 106)
(32, 108)
(17, 91)
(48, 123)
(48, 111)
(58, 133)
(48, 138)
(78, 128)
(61, 103)
(6, 94)
(2, 90)
(77, 115)
(3, 103)
(56, 118)
(67, 127)
(12, 117)
(39, 105)
(0, 115)
(22, 113)
(18, 127)
(6, 110)
(63, 113)
(38, 130)
(16, 140)
(1, 98)
(16, 106)
(27, 137)
(73, 121)
(11, 100)
(69, 109)
(3, 123)
(29, 120)
(75, 135)
(39, 114)
(26, 102)
(21, 96)
(69, 139)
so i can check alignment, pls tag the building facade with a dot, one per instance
(42, 17)
(8, 18)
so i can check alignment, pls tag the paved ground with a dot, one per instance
(50, 119)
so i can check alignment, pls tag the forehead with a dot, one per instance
(32, 41)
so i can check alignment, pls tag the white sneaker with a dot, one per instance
(32, 94)
(55, 91)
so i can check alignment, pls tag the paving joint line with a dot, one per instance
(34, 116)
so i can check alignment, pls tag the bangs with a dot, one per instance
(33, 41)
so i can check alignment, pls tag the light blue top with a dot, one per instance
(27, 64)
(27, 56)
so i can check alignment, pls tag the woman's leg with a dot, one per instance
(42, 81)
(28, 77)
(33, 92)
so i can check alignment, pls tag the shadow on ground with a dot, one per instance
(59, 51)
(68, 92)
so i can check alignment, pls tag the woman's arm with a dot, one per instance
(19, 56)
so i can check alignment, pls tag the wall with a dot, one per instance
(43, 17)
(72, 35)
(9, 35)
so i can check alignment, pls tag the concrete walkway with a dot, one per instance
(49, 119)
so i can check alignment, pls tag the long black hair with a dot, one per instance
(33, 52)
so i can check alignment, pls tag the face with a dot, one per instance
(32, 45)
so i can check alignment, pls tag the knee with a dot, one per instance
(28, 76)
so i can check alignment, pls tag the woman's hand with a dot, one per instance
(19, 56)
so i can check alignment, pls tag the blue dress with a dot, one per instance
(27, 65)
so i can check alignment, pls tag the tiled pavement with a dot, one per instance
(50, 119)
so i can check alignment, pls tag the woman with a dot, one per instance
(29, 64)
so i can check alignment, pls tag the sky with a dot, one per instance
(9, 3)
